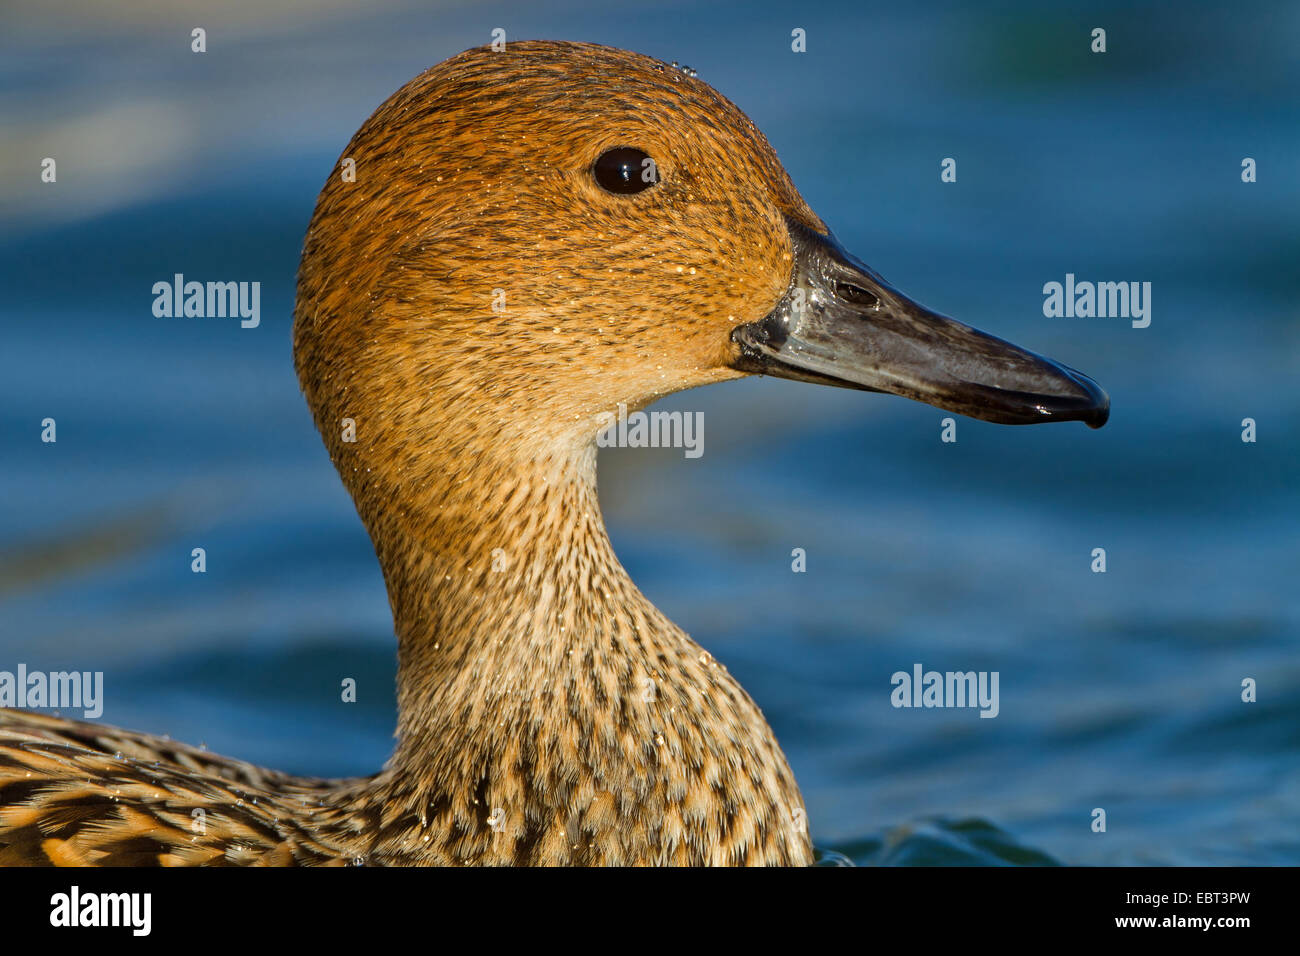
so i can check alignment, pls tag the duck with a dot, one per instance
(516, 243)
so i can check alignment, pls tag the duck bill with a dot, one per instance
(841, 324)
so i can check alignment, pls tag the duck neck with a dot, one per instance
(536, 680)
(505, 589)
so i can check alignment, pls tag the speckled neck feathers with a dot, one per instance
(548, 712)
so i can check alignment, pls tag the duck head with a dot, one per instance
(512, 246)
(531, 237)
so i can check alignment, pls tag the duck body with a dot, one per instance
(74, 793)
(470, 306)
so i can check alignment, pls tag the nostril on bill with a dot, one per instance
(856, 295)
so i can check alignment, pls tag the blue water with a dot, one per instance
(1118, 691)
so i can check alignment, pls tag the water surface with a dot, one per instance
(1118, 690)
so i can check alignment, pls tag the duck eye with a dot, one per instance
(625, 170)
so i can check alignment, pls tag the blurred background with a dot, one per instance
(1118, 690)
